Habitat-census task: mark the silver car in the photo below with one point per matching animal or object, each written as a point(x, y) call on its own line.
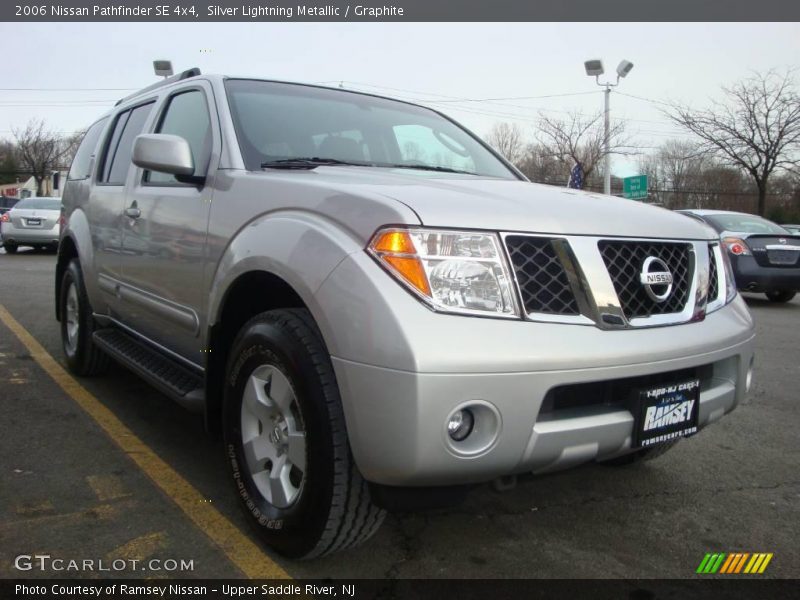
point(375, 309)
point(32, 222)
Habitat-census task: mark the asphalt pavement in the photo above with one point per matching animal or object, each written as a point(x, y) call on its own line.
point(68, 490)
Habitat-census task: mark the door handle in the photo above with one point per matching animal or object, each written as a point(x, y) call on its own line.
point(133, 212)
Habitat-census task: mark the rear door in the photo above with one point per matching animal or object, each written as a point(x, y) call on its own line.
point(164, 234)
point(107, 201)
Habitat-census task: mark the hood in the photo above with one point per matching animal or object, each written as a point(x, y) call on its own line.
point(465, 201)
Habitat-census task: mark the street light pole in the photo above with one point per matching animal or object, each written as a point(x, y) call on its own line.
point(607, 143)
point(594, 68)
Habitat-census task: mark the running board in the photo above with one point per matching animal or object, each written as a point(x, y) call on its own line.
point(170, 377)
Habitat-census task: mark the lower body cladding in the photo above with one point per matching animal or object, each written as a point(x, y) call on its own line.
point(535, 421)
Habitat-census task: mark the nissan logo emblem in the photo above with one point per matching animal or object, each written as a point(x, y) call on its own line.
point(656, 279)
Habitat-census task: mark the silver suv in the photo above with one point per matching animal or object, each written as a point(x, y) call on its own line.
point(377, 310)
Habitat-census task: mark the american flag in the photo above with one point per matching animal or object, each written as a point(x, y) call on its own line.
point(576, 177)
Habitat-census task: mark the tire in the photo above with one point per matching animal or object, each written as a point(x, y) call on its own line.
point(10, 248)
point(647, 454)
point(280, 396)
point(77, 325)
point(780, 295)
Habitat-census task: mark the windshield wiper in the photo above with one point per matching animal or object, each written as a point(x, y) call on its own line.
point(430, 168)
point(306, 163)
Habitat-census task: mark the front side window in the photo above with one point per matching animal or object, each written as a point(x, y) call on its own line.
point(187, 116)
point(117, 160)
point(80, 164)
point(278, 122)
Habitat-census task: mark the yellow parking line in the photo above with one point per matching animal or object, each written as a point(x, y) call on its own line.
point(241, 551)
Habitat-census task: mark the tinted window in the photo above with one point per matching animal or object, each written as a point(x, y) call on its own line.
point(80, 164)
point(277, 121)
point(40, 204)
point(744, 224)
point(186, 116)
point(118, 156)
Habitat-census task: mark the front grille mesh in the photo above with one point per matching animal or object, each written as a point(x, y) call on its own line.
point(542, 278)
point(713, 284)
point(624, 261)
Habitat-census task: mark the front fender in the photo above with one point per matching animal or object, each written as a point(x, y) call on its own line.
point(299, 247)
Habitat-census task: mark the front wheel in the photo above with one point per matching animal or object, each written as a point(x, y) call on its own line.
point(780, 295)
point(286, 440)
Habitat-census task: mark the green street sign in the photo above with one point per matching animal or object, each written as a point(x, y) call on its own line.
point(635, 188)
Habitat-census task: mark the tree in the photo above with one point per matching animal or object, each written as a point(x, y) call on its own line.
point(578, 138)
point(756, 129)
point(539, 165)
point(508, 140)
point(8, 162)
point(41, 151)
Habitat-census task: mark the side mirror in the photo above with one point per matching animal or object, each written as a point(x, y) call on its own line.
point(166, 154)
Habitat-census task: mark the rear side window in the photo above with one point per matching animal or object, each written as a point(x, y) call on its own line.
point(186, 115)
point(117, 160)
point(80, 164)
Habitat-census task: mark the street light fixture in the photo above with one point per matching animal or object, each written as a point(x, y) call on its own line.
point(594, 68)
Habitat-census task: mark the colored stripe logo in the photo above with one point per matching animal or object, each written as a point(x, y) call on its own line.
point(734, 563)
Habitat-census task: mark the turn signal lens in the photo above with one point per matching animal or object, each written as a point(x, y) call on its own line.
point(395, 242)
point(452, 271)
point(4, 218)
point(412, 270)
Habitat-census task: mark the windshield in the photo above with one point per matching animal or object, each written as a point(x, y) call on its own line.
point(280, 121)
point(744, 224)
point(39, 204)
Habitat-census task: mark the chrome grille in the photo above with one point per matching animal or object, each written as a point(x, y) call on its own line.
point(624, 261)
point(542, 278)
point(713, 283)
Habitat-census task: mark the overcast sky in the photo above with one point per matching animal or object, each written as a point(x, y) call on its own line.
point(443, 63)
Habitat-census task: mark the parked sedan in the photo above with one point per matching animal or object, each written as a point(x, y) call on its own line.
point(765, 256)
point(32, 222)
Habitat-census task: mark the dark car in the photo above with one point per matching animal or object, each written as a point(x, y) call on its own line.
point(764, 255)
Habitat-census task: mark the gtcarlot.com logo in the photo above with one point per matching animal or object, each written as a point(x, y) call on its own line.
point(45, 562)
point(734, 563)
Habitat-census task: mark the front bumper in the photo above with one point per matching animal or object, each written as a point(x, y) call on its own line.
point(28, 235)
point(752, 277)
point(403, 369)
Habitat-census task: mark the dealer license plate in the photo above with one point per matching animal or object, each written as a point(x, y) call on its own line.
point(665, 412)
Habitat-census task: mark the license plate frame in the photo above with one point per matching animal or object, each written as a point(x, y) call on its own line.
point(34, 222)
point(665, 412)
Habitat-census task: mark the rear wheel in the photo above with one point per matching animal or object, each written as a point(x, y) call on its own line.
point(780, 295)
point(77, 325)
point(286, 440)
point(10, 248)
point(643, 455)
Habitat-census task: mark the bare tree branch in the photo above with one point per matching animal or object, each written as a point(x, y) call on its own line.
point(756, 128)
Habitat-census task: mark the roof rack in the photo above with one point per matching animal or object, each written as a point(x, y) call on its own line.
point(179, 77)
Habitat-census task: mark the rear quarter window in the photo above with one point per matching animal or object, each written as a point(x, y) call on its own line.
point(83, 157)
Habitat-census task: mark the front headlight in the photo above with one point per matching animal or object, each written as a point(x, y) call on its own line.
point(730, 282)
point(461, 272)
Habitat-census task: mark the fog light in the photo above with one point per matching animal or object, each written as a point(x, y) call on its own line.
point(460, 424)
